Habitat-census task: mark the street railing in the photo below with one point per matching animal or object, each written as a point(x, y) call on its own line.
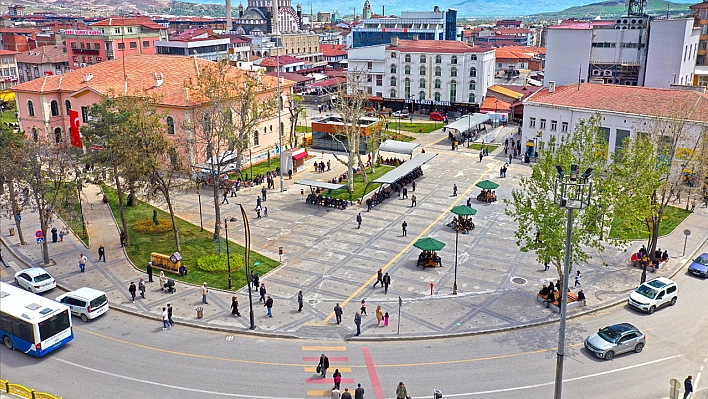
point(24, 392)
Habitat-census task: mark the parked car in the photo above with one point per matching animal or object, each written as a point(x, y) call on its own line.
point(35, 280)
point(401, 114)
point(614, 340)
point(85, 302)
point(436, 116)
point(699, 267)
point(654, 294)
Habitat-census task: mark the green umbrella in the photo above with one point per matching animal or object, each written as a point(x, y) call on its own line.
point(487, 185)
point(429, 244)
point(463, 210)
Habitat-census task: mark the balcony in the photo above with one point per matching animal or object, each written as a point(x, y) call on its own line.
point(85, 51)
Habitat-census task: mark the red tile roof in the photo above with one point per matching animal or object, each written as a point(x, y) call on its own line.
point(19, 30)
point(574, 24)
point(8, 52)
point(333, 50)
point(492, 104)
point(507, 54)
point(44, 55)
point(282, 60)
point(701, 5)
point(138, 20)
point(436, 46)
point(647, 101)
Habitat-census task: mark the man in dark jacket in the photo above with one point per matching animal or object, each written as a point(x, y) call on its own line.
point(269, 306)
point(386, 282)
point(338, 313)
point(262, 292)
point(687, 386)
point(359, 392)
point(323, 365)
point(379, 278)
point(149, 272)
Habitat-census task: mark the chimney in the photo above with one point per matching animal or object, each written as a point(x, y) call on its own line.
point(383, 10)
point(229, 21)
point(87, 77)
point(551, 87)
point(158, 79)
point(394, 41)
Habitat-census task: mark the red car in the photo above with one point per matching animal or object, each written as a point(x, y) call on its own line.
point(436, 116)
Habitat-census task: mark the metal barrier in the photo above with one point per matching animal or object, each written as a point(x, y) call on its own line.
point(24, 392)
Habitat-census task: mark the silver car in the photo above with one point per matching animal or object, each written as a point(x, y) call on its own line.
point(616, 339)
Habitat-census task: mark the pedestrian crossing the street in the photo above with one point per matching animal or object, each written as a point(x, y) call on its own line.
point(335, 362)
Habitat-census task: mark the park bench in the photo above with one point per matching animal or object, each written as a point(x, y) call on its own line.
point(164, 262)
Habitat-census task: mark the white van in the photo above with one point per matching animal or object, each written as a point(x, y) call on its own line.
point(654, 294)
point(86, 303)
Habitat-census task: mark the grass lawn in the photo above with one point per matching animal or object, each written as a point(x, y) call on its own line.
point(359, 184)
point(195, 244)
point(69, 209)
point(390, 134)
point(302, 129)
point(8, 117)
point(414, 127)
point(672, 217)
point(478, 147)
point(261, 167)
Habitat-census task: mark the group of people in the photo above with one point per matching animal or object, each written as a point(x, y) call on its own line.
point(322, 367)
point(429, 257)
point(318, 199)
point(390, 161)
point(641, 259)
point(487, 196)
point(552, 292)
point(320, 166)
point(398, 187)
point(462, 224)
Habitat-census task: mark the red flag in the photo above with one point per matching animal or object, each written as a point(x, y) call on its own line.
point(74, 129)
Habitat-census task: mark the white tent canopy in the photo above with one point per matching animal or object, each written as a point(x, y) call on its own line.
point(468, 122)
point(400, 147)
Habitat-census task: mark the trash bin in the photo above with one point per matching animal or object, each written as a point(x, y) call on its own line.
point(200, 313)
point(12, 231)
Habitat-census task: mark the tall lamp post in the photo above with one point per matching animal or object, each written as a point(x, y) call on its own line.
point(228, 254)
point(457, 236)
point(571, 192)
point(201, 221)
point(247, 261)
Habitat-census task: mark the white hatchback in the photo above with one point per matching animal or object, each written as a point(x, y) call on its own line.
point(35, 280)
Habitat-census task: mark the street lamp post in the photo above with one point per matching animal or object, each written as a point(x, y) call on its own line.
point(570, 192)
point(250, 158)
point(201, 220)
point(457, 236)
point(247, 261)
point(228, 254)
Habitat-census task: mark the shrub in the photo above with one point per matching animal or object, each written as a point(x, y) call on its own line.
point(149, 226)
point(218, 264)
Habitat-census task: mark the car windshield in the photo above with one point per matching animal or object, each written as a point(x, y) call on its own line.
point(608, 334)
point(646, 291)
point(42, 277)
point(98, 301)
point(701, 260)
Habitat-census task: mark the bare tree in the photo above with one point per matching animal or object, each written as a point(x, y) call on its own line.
point(12, 155)
point(295, 108)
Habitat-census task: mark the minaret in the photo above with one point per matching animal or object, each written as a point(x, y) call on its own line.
point(299, 16)
point(366, 14)
point(229, 21)
point(240, 10)
point(276, 19)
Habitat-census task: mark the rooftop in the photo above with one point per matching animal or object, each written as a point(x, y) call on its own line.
point(44, 55)
point(575, 24)
point(436, 46)
point(333, 50)
point(138, 20)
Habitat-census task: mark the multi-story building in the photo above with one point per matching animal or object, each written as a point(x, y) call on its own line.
point(624, 51)
point(8, 66)
point(424, 75)
point(498, 37)
point(700, 14)
point(16, 10)
point(206, 45)
point(111, 38)
point(435, 25)
point(257, 18)
point(303, 45)
point(42, 61)
point(18, 39)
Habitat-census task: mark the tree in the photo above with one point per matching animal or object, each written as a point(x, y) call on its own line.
point(295, 108)
point(12, 157)
point(230, 105)
point(539, 218)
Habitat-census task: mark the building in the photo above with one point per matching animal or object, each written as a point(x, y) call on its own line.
point(424, 75)
point(16, 10)
point(700, 14)
point(111, 38)
point(334, 54)
point(326, 134)
point(8, 65)
point(435, 25)
point(257, 18)
point(625, 110)
point(18, 39)
point(498, 37)
point(286, 63)
point(200, 42)
point(42, 61)
point(303, 45)
point(44, 104)
point(624, 51)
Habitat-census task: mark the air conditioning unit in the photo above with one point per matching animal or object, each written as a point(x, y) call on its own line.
point(596, 72)
point(607, 73)
point(83, 65)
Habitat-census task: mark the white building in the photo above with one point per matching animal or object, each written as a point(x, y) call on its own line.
point(624, 51)
point(425, 75)
point(625, 110)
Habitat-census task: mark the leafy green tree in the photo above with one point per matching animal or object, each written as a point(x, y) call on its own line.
point(296, 109)
point(12, 154)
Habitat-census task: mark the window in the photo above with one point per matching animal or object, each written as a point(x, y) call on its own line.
point(170, 125)
point(421, 95)
point(130, 30)
point(379, 80)
point(407, 88)
point(422, 84)
point(438, 83)
point(437, 96)
point(97, 46)
point(620, 136)
point(554, 125)
point(543, 124)
point(453, 91)
point(35, 136)
point(84, 114)
point(407, 70)
point(438, 71)
point(133, 44)
point(471, 99)
point(30, 108)
point(393, 68)
point(54, 106)
point(564, 127)
point(407, 58)
point(438, 59)
point(423, 59)
point(393, 81)
point(393, 55)
point(532, 122)
point(422, 70)
point(146, 43)
point(368, 65)
point(453, 71)
point(121, 46)
point(67, 105)
point(392, 93)
point(473, 57)
point(453, 60)
point(116, 30)
point(73, 44)
point(256, 138)
point(473, 85)
point(57, 135)
point(473, 72)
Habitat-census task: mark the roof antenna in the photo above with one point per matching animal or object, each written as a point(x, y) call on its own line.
point(580, 73)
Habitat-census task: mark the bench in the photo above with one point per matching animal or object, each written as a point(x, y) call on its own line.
point(555, 306)
point(164, 262)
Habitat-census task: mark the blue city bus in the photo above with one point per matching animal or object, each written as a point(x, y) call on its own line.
point(32, 324)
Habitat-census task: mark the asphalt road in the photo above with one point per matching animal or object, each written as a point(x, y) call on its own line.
point(122, 355)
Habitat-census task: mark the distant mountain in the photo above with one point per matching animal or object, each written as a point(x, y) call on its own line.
point(614, 8)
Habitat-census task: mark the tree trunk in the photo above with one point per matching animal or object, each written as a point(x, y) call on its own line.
point(41, 207)
point(175, 230)
point(121, 209)
point(13, 204)
point(217, 206)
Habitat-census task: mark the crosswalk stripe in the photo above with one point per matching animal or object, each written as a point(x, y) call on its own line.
point(331, 358)
point(319, 380)
point(319, 392)
point(331, 368)
point(325, 348)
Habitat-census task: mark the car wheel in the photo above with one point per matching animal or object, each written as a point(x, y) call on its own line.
point(673, 301)
point(609, 355)
point(8, 343)
point(652, 309)
point(84, 318)
point(638, 348)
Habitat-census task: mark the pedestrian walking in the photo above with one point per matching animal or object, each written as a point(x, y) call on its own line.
point(379, 278)
point(357, 321)
point(122, 239)
point(481, 155)
point(338, 313)
point(132, 289)
point(264, 193)
point(101, 253)
point(577, 278)
point(82, 263)
point(359, 392)
point(54, 234)
point(581, 298)
point(546, 266)
point(258, 212)
point(413, 201)
point(413, 185)
point(61, 235)
point(386, 282)
point(323, 365)
point(328, 166)
point(205, 291)
point(269, 306)
point(454, 190)
point(149, 271)
point(335, 394)
point(386, 319)
point(234, 306)
point(299, 301)
point(262, 291)
point(225, 198)
point(358, 220)
point(363, 307)
point(163, 280)
point(346, 394)
point(405, 193)
point(337, 377)
point(165, 319)
point(258, 202)
point(379, 315)
point(3, 260)
point(141, 287)
point(401, 392)
point(255, 280)
point(265, 211)
point(510, 159)
point(169, 315)
point(404, 226)
point(687, 386)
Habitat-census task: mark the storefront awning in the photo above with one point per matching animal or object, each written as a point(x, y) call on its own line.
point(400, 147)
point(300, 155)
point(320, 184)
point(405, 168)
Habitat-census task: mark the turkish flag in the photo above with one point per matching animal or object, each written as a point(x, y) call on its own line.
point(74, 129)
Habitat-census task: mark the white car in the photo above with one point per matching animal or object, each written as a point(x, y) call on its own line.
point(35, 280)
point(401, 114)
point(85, 302)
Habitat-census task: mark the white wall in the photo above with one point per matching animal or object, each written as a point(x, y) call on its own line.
point(567, 51)
point(671, 59)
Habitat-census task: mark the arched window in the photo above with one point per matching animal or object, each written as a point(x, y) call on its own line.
point(423, 60)
point(453, 91)
point(393, 68)
point(407, 70)
point(30, 108)
point(170, 125)
point(473, 85)
point(422, 70)
point(422, 84)
point(473, 57)
point(471, 97)
point(67, 105)
point(453, 60)
point(393, 80)
point(54, 106)
point(453, 71)
point(393, 55)
point(256, 137)
point(473, 72)
point(392, 93)
point(271, 128)
point(407, 87)
point(438, 71)
point(57, 135)
point(421, 95)
point(35, 136)
point(438, 83)
point(437, 96)
point(438, 59)
point(408, 58)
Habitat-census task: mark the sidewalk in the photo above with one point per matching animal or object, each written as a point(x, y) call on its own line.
point(333, 262)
